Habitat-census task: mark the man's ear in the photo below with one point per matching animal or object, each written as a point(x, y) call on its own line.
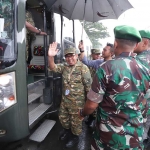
point(115, 44)
point(135, 47)
point(112, 53)
point(145, 42)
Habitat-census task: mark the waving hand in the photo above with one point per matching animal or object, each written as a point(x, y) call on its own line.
point(52, 49)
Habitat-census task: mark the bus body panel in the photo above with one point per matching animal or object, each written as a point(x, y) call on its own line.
point(14, 120)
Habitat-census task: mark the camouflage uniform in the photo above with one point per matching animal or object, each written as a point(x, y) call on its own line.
point(120, 84)
point(76, 80)
point(93, 71)
point(144, 58)
point(6, 12)
point(29, 34)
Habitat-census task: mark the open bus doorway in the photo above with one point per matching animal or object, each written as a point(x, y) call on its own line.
point(36, 92)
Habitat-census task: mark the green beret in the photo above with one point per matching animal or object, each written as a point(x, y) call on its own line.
point(95, 51)
point(70, 51)
point(145, 34)
point(127, 33)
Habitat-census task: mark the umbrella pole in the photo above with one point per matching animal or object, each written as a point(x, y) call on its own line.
point(82, 30)
point(83, 20)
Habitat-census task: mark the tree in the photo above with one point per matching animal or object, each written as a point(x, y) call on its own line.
point(96, 31)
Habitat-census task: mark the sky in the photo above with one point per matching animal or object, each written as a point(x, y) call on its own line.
point(139, 17)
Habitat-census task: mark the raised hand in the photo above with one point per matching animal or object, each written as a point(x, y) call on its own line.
point(81, 46)
point(52, 49)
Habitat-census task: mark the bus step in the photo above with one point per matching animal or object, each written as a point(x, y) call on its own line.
point(32, 97)
point(42, 131)
point(37, 113)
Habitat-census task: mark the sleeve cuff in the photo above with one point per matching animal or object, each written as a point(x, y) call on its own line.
point(54, 69)
point(94, 97)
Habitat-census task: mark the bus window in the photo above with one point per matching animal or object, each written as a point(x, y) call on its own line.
point(58, 58)
point(68, 29)
point(7, 52)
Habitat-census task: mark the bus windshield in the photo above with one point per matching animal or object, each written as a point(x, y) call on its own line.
point(7, 50)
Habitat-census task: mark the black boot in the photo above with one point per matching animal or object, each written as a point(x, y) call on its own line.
point(74, 139)
point(64, 134)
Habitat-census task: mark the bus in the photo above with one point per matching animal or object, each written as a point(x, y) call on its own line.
point(28, 92)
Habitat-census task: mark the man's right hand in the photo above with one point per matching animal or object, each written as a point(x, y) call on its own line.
point(81, 46)
point(52, 49)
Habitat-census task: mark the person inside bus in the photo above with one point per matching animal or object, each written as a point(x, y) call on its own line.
point(118, 91)
point(76, 83)
point(31, 29)
point(107, 53)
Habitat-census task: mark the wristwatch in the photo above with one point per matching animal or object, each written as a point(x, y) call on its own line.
point(81, 113)
point(39, 31)
point(81, 50)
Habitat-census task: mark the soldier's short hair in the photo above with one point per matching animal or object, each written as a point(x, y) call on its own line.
point(126, 42)
point(111, 47)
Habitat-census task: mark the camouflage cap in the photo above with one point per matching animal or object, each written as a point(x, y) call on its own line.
point(70, 51)
point(95, 51)
point(127, 33)
point(77, 51)
point(145, 34)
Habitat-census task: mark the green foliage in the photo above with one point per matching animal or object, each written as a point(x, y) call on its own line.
point(95, 31)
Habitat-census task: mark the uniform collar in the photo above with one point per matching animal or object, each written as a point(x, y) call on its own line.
point(126, 54)
point(145, 51)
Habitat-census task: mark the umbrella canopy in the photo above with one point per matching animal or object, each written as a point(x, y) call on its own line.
point(91, 10)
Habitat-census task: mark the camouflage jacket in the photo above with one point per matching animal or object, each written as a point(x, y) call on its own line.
point(6, 12)
point(119, 87)
point(30, 36)
point(92, 71)
point(144, 58)
point(29, 19)
point(76, 79)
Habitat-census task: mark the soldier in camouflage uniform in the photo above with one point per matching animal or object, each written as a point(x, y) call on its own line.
point(118, 90)
point(107, 53)
point(143, 54)
point(6, 12)
point(29, 35)
point(30, 32)
point(76, 83)
point(95, 55)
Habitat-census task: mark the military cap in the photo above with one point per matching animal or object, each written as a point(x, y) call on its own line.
point(77, 51)
point(145, 34)
point(70, 51)
point(127, 33)
point(95, 51)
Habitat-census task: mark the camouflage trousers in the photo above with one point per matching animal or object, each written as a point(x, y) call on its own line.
point(146, 128)
point(94, 147)
point(68, 116)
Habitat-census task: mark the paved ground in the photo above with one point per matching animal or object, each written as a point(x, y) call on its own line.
point(51, 142)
